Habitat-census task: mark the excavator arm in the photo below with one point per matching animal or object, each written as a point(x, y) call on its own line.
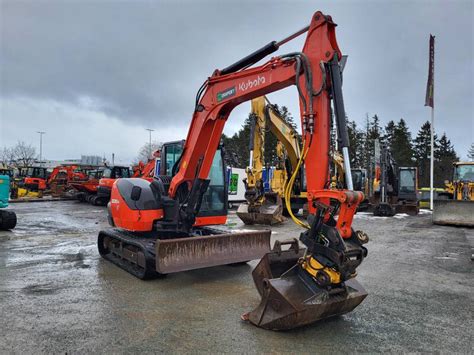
point(308, 70)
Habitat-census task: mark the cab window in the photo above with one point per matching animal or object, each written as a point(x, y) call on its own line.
point(214, 199)
point(464, 172)
point(172, 154)
point(407, 180)
point(122, 173)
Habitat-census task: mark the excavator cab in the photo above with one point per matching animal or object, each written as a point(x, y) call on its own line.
point(214, 201)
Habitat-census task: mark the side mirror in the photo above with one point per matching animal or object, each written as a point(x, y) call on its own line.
point(136, 193)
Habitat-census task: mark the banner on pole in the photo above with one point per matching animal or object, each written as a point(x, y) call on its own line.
point(429, 100)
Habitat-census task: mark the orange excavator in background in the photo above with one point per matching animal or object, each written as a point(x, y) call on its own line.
point(62, 175)
point(156, 229)
point(109, 176)
point(86, 190)
point(146, 171)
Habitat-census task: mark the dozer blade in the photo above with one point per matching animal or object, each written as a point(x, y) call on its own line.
point(269, 213)
point(453, 212)
point(291, 299)
point(197, 252)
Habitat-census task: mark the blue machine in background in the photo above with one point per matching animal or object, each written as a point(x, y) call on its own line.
point(7, 217)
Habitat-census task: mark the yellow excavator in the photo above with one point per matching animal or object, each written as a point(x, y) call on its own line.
point(455, 206)
point(266, 207)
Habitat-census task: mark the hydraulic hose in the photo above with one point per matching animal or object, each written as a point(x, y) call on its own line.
point(289, 188)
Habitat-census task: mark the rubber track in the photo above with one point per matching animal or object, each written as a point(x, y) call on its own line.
point(146, 245)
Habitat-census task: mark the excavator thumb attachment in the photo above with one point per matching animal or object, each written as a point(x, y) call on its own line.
point(180, 254)
point(269, 213)
point(291, 298)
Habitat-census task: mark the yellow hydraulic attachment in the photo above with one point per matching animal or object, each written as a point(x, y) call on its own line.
point(267, 207)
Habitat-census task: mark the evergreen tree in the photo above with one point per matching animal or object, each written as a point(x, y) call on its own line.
point(470, 153)
point(237, 146)
point(373, 132)
point(445, 156)
point(400, 144)
point(389, 133)
point(421, 147)
point(356, 141)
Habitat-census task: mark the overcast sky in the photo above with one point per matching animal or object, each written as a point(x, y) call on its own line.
point(95, 74)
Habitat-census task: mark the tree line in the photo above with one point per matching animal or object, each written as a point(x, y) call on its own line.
point(237, 147)
point(406, 149)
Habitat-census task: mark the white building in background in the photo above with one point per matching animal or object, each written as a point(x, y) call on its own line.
point(94, 160)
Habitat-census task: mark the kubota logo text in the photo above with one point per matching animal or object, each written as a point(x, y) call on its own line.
point(249, 84)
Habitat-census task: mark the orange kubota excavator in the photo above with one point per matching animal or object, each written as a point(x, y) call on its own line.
point(155, 223)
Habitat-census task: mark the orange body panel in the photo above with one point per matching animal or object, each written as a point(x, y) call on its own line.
point(85, 186)
point(210, 220)
point(132, 220)
point(36, 181)
point(107, 182)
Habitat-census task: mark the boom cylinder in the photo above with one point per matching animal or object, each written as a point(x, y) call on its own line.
point(251, 58)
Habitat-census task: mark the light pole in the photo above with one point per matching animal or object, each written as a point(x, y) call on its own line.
point(149, 130)
point(41, 146)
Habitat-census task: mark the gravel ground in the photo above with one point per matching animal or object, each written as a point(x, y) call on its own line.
point(57, 295)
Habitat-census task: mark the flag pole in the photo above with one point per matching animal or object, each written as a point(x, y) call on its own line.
point(429, 101)
point(432, 159)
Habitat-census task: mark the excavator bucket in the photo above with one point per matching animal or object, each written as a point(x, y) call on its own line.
point(453, 212)
point(180, 254)
point(290, 298)
point(269, 213)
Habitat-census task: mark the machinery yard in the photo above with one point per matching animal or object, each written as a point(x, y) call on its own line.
point(57, 295)
point(331, 216)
